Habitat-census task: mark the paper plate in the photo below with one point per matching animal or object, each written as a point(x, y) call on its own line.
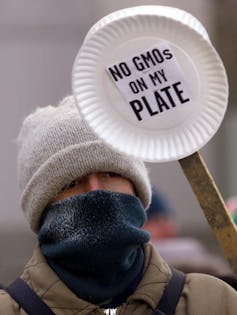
point(166, 11)
point(151, 86)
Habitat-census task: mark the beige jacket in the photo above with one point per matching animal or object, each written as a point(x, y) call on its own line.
point(202, 294)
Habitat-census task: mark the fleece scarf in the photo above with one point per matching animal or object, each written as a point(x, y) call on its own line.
point(93, 241)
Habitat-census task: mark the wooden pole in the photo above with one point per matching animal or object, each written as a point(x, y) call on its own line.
point(213, 205)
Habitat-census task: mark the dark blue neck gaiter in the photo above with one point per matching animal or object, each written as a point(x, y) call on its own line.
point(94, 243)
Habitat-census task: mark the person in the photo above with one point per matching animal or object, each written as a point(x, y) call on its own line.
point(161, 222)
point(86, 202)
point(187, 254)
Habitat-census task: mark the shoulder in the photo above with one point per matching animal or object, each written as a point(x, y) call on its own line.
point(207, 293)
point(7, 304)
point(196, 281)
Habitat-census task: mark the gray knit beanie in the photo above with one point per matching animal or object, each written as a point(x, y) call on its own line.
point(57, 146)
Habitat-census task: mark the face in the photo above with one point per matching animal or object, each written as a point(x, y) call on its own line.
point(96, 181)
point(161, 227)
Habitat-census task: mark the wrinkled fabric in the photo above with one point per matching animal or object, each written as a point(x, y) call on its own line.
point(202, 294)
point(93, 241)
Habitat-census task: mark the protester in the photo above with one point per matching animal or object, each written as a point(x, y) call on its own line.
point(184, 253)
point(161, 221)
point(86, 202)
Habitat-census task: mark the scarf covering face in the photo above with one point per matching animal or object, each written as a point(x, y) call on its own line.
point(93, 241)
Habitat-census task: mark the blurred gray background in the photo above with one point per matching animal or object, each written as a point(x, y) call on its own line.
point(39, 41)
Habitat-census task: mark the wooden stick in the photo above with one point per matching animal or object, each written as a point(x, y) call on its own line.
point(213, 205)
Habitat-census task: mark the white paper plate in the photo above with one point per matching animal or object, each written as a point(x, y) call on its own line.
point(165, 11)
point(167, 118)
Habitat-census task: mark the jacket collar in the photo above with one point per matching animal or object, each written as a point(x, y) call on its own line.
point(156, 275)
point(47, 284)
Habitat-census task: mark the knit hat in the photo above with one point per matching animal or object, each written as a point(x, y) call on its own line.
point(57, 146)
